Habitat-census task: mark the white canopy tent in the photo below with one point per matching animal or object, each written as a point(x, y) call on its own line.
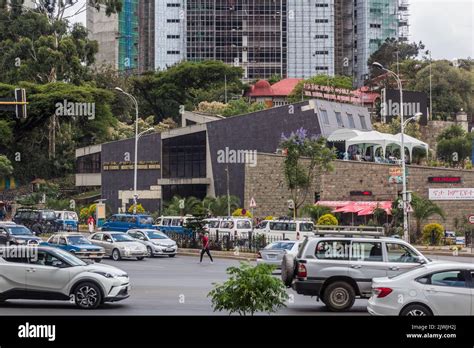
point(376, 139)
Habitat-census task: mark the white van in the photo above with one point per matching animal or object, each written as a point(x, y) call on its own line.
point(231, 226)
point(211, 225)
point(285, 229)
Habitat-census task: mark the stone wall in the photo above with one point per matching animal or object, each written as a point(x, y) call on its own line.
point(266, 183)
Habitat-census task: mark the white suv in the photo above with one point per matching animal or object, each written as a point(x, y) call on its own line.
point(45, 273)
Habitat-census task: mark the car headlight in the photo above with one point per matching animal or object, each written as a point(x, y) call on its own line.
point(107, 275)
point(19, 241)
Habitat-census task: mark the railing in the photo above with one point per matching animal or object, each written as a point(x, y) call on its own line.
point(347, 231)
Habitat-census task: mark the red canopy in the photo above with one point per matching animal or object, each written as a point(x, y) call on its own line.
point(359, 207)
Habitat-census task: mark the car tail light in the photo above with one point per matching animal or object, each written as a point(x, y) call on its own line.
point(381, 292)
point(302, 274)
point(259, 256)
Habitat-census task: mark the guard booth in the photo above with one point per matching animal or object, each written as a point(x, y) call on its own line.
point(100, 215)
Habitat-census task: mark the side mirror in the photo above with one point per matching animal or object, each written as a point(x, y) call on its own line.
point(420, 260)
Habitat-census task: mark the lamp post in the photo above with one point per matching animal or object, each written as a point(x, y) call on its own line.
point(135, 167)
point(228, 190)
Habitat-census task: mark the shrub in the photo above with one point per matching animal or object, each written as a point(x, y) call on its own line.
point(140, 209)
point(433, 233)
point(249, 289)
point(328, 219)
point(269, 217)
point(242, 212)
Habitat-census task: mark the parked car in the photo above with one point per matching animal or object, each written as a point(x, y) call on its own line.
point(437, 288)
point(47, 273)
point(13, 234)
point(286, 229)
point(339, 269)
point(125, 222)
point(76, 244)
point(235, 227)
point(176, 224)
point(211, 225)
point(273, 253)
point(67, 221)
point(119, 245)
point(37, 220)
point(157, 243)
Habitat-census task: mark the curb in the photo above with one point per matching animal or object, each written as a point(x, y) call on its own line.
point(217, 254)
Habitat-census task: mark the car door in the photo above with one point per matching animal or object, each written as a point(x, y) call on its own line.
point(400, 258)
point(448, 292)
point(13, 272)
point(107, 243)
point(96, 239)
point(366, 263)
point(331, 257)
point(47, 273)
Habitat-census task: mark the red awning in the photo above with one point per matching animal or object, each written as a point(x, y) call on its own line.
point(359, 207)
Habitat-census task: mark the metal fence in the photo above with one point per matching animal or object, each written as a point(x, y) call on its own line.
point(225, 241)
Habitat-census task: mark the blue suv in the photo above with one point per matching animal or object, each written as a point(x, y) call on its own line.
point(125, 222)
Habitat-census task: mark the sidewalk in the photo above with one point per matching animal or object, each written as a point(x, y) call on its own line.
point(444, 250)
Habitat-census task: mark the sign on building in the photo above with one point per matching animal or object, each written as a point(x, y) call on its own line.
point(451, 194)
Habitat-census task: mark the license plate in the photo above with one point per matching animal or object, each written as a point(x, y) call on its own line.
point(93, 255)
point(169, 249)
point(271, 256)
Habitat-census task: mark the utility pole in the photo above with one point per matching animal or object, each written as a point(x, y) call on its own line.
point(431, 99)
point(228, 190)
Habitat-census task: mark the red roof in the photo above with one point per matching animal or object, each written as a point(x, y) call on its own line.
point(282, 88)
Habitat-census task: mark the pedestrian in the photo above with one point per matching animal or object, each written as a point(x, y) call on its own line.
point(3, 213)
point(90, 223)
point(205, 246)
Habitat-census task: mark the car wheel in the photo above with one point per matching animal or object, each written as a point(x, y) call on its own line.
point(116, 255)
point(150, 251)
point(140, 258)
point(339, 296)
point(172, 255)
point(87, 296)
point(288, 266)
point(416, 311)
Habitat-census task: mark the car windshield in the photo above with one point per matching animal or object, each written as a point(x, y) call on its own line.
point(69, 258)
point(19, 230)
point(122, 237)
point(155, 235)
point(48, 215)
point(280, 246)
point(244, 224)
point(146, 220)
point(78, 240)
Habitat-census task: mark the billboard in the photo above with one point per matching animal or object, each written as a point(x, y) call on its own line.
point(413, 102)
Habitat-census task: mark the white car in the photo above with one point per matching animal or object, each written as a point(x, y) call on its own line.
point(273, 253)
point(46, 273)
point(157, 243)
point(435, 288)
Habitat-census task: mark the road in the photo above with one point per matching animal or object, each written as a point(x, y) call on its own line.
point(174, 286)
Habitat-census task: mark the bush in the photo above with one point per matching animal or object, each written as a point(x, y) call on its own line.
point(249, 289)
point(433, 233)
point(240, 213)
point(140, 209)
point(269, 217)
point(328, 220)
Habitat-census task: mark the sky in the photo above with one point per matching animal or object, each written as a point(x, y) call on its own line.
point(444, 26)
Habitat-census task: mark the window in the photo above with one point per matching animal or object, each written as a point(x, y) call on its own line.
point(44, 258)
point(172, 52)
point(227, 224)
point(333, 250)
point(339, 120)
point(173, 5)
point(321, 20)
point(321, 68)
point(449, 278)
point(62, 241)
point(400, 253)
point(324, 115)
point(321, 52)
point(172, 20)
point(351, 120)
point(362, 122)
point(97, 236)
point(366, 251)
point(244, 224)
point(213, 224)
point(306, 227)
point(375, 26)
point(172, 36)
point(322, 5)
point(321, 36)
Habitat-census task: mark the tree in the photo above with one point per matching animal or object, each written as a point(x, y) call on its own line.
point(315, 211)
point(192, 206)
point(423, 209)
point(6, 168)
point(322, 80)
point(328, 220)
point(305, 156)
point(240, 107)
point(217, 206)
point(249, 289)
point(454, 145)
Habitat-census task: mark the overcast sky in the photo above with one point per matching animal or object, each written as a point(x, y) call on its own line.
point(444, 26)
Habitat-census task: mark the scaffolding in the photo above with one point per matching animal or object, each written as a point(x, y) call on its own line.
point(128, 36)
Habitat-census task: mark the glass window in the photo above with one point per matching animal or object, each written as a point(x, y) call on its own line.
point(366, 251)
point(243, 224)
point(449, 278)
point(62, 241)
point(324, 115)
point(262, 224)
point(76, 240)
point(400, 253)
point(166, 222)
point(333, 250)
point(121, 237)
point(280, 246)
point(362, 122)
point(214, 224)
point(351, 121)
point(146, 220)
point(97, 236)
point(227, 224)
point(19, 230)
point(339, 120)
point(44, 258)
point(306, 227)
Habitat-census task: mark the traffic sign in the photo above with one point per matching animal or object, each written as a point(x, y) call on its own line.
point(409, 208)
point(471, 219)
point(253, 204)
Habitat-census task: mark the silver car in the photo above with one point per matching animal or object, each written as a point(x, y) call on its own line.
point(273, 253)
point(119, 245)
point(156, 242)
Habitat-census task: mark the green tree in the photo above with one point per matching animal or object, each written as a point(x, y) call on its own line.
point(249, 289)
point(315, 211)
point(217, 206)
point(6, 168)
point(305, 156)
point(240, 107)
point(423, 209)
point(454, 145)
point(192, 206)
point(322, 80)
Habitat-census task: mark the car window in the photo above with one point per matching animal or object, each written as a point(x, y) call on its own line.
point(227, 224)
point(44, 258)
point(366, 251)
point(15, 258)
point(48, 215)
point(306, 227)
point(332, 250)
point(397, 252)
point(97, 236)
point(262, 224)
point(166, 222)
point(213, 224)
point(53, 240)
point(449, 278)
point(62, 241)
point(280, 246)
point(146, 220)
point(75, 240)
point(244, 224)
point(19, 230)
point(131, 219)
point(107, 238)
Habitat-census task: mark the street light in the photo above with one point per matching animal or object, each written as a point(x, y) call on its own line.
point(136, 148)
point(406, 236)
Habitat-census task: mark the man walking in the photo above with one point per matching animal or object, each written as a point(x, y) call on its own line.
point(205, 246)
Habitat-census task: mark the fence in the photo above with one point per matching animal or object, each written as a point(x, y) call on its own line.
point(224, 241)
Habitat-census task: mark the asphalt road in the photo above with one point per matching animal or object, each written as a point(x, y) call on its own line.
point(174, 286)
